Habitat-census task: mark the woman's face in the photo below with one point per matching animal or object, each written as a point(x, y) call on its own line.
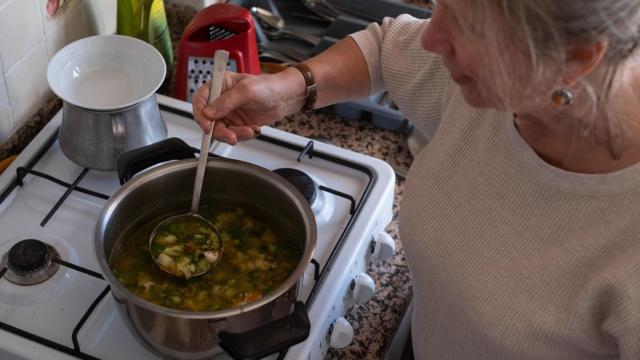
point(462, 54)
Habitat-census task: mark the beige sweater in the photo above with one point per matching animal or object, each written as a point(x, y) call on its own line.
point(511, 258)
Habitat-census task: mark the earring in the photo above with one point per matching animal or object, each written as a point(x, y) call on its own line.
point(562, 97)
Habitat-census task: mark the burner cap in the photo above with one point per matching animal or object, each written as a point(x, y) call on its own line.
point(30, 262)
point(28, 256)
point(303, 182)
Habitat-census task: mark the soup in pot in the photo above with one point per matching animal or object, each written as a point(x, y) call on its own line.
point(255, 261)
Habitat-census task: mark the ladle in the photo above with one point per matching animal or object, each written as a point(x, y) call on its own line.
point(274, 27)
point(199, 248)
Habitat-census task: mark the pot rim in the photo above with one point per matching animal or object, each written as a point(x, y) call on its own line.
point(148, 175)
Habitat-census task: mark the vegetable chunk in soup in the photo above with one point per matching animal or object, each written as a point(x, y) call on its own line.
point(255, 261)
point(186, 246)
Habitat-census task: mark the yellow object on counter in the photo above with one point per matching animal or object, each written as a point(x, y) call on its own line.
point(147, 20)
point(4, 164)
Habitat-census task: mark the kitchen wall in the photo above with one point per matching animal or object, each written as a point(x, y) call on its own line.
point(29, 37)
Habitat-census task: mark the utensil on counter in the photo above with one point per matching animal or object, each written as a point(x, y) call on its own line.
point(107, 84)
point(313, 17)
point(368, 10)
point(244, 331)
point(329, 11)
point(217, 27)
point(274, 57)
point(274, 26)
point(317, 8)
point(284, 51)
point(211, 239)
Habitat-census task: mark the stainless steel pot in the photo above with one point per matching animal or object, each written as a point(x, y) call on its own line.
point(95, 139)
point(265, 326)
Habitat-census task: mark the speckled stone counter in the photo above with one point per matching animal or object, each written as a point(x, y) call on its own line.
point(374, 322)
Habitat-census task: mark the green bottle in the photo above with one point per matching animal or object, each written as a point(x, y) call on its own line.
point(147, 20)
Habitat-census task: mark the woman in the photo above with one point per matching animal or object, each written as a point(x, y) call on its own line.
point(521, 217)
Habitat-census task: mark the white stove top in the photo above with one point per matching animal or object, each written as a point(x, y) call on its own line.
point(38, 321)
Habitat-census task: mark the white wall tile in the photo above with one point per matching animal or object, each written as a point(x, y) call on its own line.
point(27, 84)
point(6, 118)
point(68, 7)
point(6, 121)
point(21, 29)
point(103, 14)
point(75, 25)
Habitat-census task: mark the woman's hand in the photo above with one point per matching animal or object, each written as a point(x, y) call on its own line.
point(248, 102)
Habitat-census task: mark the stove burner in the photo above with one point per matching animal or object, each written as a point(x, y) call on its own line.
point(303, 182)
point(30, 262)
point(28, 256)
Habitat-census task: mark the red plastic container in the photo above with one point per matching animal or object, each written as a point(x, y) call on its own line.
point(220, 26)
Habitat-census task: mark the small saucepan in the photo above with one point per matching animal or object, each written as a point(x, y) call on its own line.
point(255, 329)
point(107, 84)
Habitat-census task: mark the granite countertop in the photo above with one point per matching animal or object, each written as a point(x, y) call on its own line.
point(374, 322)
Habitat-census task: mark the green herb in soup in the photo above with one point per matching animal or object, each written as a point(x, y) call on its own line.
point(186, 246)
point(255, 261)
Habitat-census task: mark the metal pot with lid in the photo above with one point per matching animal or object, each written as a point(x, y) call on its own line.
point(272, 323)
point(107, 84)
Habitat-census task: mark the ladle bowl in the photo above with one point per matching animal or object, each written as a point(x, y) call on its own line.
point(189, 255)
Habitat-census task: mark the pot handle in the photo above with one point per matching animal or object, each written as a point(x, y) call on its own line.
point(269, 338)
point(134, 161)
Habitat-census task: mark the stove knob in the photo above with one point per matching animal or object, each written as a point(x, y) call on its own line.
point(363, 288)
point(341, 333)
point(384, 247)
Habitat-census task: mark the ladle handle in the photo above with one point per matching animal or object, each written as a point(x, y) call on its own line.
point(220, 59)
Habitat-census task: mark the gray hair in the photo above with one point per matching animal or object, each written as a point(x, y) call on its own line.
point(548, 28)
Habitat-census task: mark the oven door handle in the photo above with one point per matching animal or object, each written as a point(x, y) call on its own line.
point(269, 338)
point(134, 161)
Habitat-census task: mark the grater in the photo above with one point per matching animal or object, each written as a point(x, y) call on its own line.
point(199, 67)
point(217, 27)
point(199, 70)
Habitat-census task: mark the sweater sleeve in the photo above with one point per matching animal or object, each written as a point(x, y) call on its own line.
point(615, 301)
point(416, 79)
point(623, 321)
point(629, 344)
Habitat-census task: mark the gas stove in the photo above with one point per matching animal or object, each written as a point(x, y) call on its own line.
point(54, 302)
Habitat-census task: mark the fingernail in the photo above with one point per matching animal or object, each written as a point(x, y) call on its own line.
point(209, 112)
point(229, 140)
point(257, 130)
